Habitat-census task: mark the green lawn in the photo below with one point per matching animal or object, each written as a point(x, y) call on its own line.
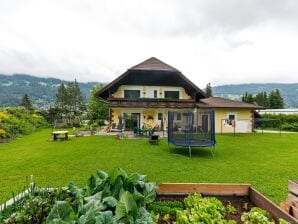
point(266, 161)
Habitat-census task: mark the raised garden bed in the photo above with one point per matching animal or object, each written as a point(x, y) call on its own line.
point(242, 196)
point(123, 198)
point(290, 205)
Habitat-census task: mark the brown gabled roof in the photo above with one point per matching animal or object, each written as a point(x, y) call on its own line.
point(154, 64)
point(152, 72)
point(217, 102)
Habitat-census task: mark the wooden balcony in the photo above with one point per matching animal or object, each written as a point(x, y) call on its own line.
point(150, 103)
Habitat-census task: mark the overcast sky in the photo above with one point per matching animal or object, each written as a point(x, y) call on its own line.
point(222, 42)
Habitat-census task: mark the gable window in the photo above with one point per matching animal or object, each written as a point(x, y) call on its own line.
point(172, 95)
point(155, 93)
point(132, 94)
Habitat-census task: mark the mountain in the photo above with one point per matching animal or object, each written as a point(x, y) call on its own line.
point(42, 91)
point(235, 92)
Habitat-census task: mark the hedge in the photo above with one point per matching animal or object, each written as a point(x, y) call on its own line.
point(288, 121)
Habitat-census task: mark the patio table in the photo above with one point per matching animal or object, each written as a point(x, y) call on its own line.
point(60, 134)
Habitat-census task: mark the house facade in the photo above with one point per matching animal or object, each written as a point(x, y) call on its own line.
point(145, 93)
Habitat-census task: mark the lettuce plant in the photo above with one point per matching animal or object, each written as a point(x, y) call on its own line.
point(202, 210)
point(258, 216)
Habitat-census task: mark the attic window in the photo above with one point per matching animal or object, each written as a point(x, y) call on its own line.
point(172, 95)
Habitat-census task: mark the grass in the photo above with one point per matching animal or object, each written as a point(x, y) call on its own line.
point(266, 161)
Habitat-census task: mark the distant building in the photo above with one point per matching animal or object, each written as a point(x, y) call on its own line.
point(279, 111)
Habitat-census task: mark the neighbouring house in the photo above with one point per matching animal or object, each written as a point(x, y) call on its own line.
point(145, 93)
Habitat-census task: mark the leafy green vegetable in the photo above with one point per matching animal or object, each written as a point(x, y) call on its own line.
point(258, 216)
point(230, 209)
point(126, 209)
point(61, 212)
point(165, 207)
point(106, 199)
point(202, 210)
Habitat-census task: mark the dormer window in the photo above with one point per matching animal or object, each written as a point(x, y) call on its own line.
point(132, 94)
point(172, 95)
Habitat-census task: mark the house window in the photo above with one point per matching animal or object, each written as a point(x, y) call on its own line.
point(172, 95)
point(132, 94)
point(231, 117)
point(159, 117)
point(178, 117)
point(155, 93)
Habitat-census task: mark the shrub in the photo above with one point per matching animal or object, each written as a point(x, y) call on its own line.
point(290, 127)
point(2, 133)
point(3, 116)
point(17, 121)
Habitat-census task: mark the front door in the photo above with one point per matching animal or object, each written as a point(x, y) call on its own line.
point(205, 119)
point(131, 120)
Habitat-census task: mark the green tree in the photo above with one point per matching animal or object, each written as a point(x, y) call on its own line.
point(261, 99)
point(51, 115)
point(26, 102)
point(70, 103)
point(98, 110)
point(62, 98)
point(248, 98)
point(275, 100)
point(209, 90)
point(75, 98)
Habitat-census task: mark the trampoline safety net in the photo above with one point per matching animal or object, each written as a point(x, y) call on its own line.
point(192, 128)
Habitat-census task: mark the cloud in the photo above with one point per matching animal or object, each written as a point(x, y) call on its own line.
point(227, 41)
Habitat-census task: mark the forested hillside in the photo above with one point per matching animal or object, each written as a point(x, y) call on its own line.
point(41, 91)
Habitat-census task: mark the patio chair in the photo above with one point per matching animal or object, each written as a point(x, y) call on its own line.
point(154, 139)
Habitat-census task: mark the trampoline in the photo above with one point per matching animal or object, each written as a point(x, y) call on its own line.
point(192, 129)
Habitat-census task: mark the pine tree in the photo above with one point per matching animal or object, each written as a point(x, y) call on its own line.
point(276, 100)
point(70, 102)
point(26, 102)
point(209, 90)
point(75, 97)
point(244, 97)
point(62, 98)
point(261, 99)
point(248, 98)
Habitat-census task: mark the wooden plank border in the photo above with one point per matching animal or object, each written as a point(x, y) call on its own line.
point(275, 211)
point(204, 188)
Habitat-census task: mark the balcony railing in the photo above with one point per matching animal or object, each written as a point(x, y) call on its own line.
point(151, 103)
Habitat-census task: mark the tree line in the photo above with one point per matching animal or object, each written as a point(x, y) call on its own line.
point(70, 107)
point(272, 101)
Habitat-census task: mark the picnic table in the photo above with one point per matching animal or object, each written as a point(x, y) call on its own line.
point(60, 135)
